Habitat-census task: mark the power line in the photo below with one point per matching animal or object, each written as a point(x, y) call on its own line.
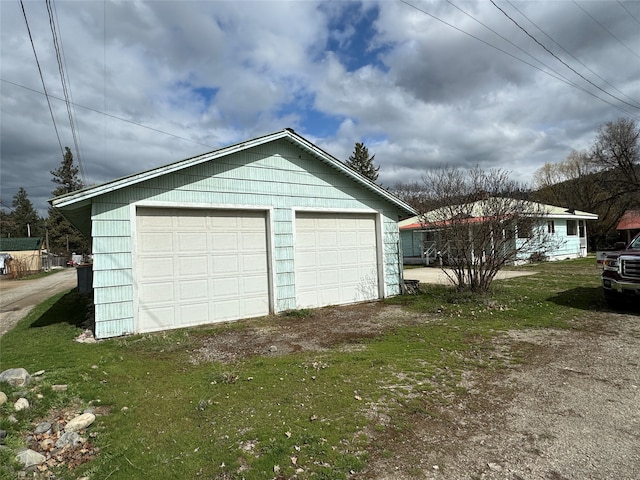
point(110, 115)
point(569, 53)
point(607, 30)
point(44, 87)
point(557, 77)
point(66, 87)
point(559, 59)
point(566, 80)
point(630, 14)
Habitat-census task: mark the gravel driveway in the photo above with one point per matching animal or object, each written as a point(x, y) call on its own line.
point(18, 297)
point(569, 409)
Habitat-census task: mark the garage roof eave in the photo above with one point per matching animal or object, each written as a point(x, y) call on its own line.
point(84, 196)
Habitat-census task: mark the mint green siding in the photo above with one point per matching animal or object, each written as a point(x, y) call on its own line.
point(278, 176)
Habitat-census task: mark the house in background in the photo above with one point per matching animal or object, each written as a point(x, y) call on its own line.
point(264, 226)
point(629, 225)
point(566, 229)
point(25, 254)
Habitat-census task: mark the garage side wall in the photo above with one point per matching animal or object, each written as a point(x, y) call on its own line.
point(278, 175)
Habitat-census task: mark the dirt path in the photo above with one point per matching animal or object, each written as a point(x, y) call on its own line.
point(18, 297)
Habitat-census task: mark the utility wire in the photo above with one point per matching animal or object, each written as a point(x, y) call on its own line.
point(514, 45)
point(557, 77)
point(112, 116)
point(79, 150)
point(569, 53)
point(630, 14)
point(44, 87)
point(559, 59)
point(607, 30)
point(65, 85)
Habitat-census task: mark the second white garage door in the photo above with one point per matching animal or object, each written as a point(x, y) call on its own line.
point(200, 266)
point(335, 259)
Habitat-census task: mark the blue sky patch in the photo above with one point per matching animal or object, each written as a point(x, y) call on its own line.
point(351, 36)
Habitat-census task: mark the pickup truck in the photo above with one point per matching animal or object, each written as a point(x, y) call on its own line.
point(621, 272)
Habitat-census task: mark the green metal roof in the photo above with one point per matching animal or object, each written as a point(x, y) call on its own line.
point(17, 244)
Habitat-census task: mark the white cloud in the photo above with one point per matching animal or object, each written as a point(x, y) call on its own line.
point(417, 91)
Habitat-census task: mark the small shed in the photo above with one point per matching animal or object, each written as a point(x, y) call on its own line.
point(25, 254)
point(264, 226)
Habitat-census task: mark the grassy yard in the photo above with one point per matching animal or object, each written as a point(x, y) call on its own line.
point(303, 414)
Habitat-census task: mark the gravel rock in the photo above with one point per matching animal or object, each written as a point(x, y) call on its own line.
point(17, 377)
point(69, 439)
point(3, 398)
point(80, 422)
point(29, 458)
point(21, 404)
point(43, 427)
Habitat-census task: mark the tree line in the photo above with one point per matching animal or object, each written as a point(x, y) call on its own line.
point(23, 220)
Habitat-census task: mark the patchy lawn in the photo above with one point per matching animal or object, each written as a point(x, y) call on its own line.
point(407, 388)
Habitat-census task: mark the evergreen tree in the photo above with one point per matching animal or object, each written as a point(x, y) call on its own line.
point(26, 221)
point(360, 161)
point(7, 224)
point(64, 238)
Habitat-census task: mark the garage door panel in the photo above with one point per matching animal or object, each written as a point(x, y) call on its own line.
point(224, 264)
point(156, 292)
point(335, 254)
point(194, 314)
point(253, 285)
point(147, 267)
point(226, 287)
point(227, 310)
point(251, 241)
point(200, 266)
point(251, 263)
point(192, 265)
point(193, 290)
point(192, 242)
point(328, 258)
point(190, 221)
point(155, 319)
point(220, 241)
point(156, 242)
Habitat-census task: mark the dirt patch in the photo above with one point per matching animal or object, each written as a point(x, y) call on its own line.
point(318, 330)
point(551, 404)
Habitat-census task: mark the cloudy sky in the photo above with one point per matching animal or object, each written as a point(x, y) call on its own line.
point(421, 83)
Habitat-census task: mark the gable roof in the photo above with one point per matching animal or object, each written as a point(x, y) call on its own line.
point(76, 206)
point(20, 244)
point(550, 212)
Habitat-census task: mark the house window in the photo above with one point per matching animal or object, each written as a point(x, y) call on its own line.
point(572, 227)
point(524, 230)
point(551, 227)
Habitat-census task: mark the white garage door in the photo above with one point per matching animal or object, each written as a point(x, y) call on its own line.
point(335, 259)
point(200, 266)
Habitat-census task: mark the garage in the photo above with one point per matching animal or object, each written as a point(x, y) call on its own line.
point(261, 227)
point(198, 266)
point(336, 258)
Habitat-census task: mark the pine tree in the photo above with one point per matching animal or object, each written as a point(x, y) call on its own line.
point(360, 161)
point(64, 238)
point(26, 220)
